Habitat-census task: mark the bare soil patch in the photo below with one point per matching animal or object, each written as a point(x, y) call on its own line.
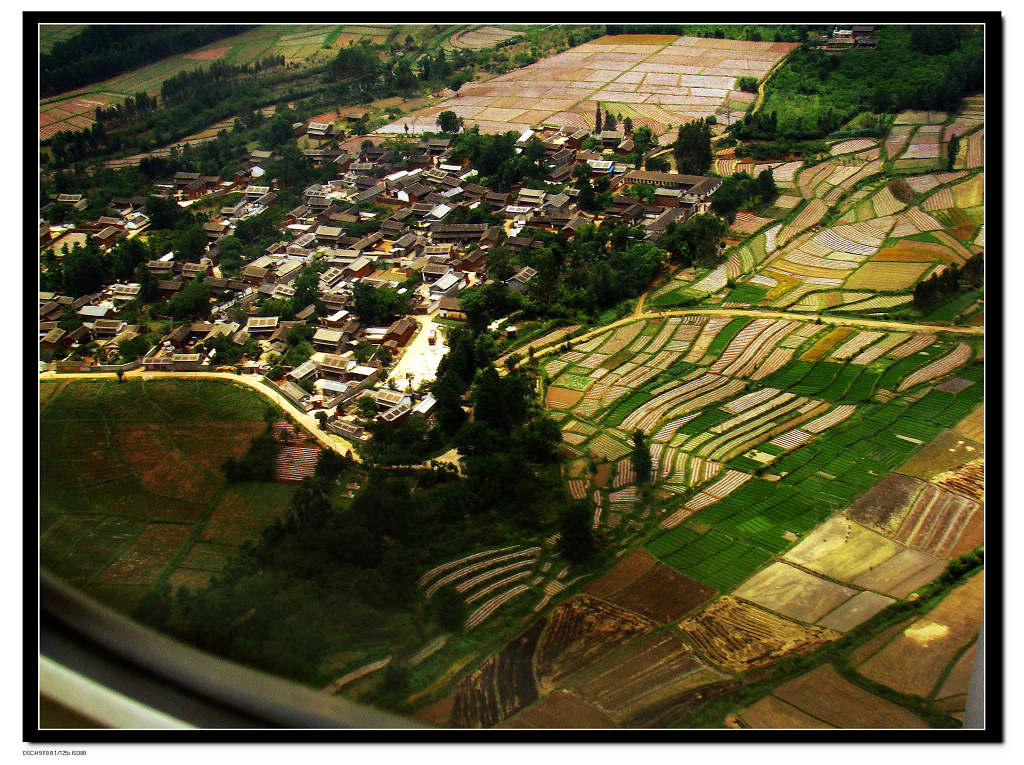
point(945, 452)
point(841, 549)
point(915, 659)
point(883, 506)
point(563, 398)
point(622, 573)
point(663, 594)
point(856, 610)
point(794, 593)
point(771, 712)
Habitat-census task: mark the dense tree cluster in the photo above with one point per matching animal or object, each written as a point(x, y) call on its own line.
point(741, 190)
point(692, 147)
point(918, 67)
point(955, 280)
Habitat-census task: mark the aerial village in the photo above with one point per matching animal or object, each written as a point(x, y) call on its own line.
point(414, 248)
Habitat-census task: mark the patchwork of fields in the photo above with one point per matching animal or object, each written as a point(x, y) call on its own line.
point(657, 80)
point(844, 236)
point(131, 488)
point(765, 538)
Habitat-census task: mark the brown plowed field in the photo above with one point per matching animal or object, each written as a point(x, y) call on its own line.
point(501, 686)
point(663, 595)
point(622, 573)
point(560, 709)
point(648, 672)
point(580, 632)
point(883, 506)
point(936, 521)
point(739, 636)
point(771, 712)
point(794, 593)
point(868, 649)
point(915, 659)
point(824, 694)
point(959, 676)
point(674, 711)
point(563, 398)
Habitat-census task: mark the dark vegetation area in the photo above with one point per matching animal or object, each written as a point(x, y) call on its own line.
point(954, 281)
point(815, 93)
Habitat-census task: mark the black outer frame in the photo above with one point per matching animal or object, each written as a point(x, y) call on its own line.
point(993, 732)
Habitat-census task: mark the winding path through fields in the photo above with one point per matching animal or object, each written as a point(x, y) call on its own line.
point(310, 423)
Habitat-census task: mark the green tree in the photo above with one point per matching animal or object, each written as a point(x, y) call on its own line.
point(692, 148)
point(577, 542)
point(747, 84)
point(598, 122)
point(449, 122)
point(641, 458)
point(449, 608)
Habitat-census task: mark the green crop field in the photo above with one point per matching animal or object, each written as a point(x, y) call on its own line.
point(132, 493)
point(770, 494)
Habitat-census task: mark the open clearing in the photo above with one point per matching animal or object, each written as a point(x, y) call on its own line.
point(131, 486)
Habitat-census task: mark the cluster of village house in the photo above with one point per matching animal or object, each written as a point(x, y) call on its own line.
point(416, 237)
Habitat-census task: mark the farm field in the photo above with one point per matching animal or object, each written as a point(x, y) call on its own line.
point(132, 493)
point(847, 238)
point(657, 80)
point(825, 696)
point(298, 43)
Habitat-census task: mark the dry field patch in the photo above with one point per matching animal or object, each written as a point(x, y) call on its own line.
point(771, 712)
point(856, 610)
point(841, 549)
point(560, 709)
point(794, 593)
point(738, 636)
point(824, 694)
point(915, 659)
point(875, 275)
point(902, 573)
